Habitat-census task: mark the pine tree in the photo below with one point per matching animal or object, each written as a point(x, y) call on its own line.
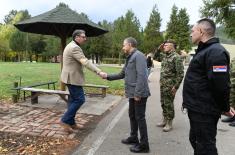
point(178, 28)
point(223, 12)
point(172, 25)
point(128, 26)
point(152, 36)
point(132, 26)
point(183, 40)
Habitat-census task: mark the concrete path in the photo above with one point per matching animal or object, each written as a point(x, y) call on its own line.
point(105, 139)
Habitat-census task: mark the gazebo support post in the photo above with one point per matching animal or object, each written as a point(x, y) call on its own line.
point(63, 44)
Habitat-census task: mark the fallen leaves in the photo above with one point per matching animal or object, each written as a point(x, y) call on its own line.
point(11, 143)
point(3, 150)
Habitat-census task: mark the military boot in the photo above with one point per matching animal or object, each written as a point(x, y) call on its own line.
point(162, 124)
point(168, 126)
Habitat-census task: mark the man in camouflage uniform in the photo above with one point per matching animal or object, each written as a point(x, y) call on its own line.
point(231, 120)
point(172, 73)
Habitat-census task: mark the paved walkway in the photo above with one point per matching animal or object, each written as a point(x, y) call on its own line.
point(106, 138)
point(43, 119)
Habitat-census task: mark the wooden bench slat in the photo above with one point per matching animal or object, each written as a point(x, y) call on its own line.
point(36, 85)
point(18, 89)
point(35, 92)
point(48, 91)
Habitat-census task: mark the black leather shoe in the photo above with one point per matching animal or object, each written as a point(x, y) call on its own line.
point(139, 148)
point(232, 124)
point(228, 119)
point(130, 140)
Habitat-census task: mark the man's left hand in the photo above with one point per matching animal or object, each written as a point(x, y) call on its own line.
point(173, 90)
point(230, 113)
point(137, 98)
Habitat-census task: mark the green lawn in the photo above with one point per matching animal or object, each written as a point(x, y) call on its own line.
point(230, 49)
point(32, 73)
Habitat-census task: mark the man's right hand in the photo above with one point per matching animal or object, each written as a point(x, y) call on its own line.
point(230, 113)
point(160, 47)
point(103, 75)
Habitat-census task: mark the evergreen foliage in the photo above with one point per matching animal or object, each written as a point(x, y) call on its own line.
point(183, 31)
point(152, 35)
point(14, 43)
point(178, 28)
point(172, 25)
point(223, 12)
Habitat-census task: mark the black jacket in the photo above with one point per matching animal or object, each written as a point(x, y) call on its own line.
point(149, 62)
point(207, 83)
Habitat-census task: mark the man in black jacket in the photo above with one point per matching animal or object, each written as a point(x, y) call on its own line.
point(206, 88)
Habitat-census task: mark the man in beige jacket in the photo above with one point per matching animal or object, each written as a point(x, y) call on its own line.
point(72, 75)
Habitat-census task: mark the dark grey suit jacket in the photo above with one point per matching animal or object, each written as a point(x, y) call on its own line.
point(135, 75)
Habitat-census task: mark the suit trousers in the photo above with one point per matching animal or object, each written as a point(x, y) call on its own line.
point(76, 100)
point(137, 119)
point(202, 135)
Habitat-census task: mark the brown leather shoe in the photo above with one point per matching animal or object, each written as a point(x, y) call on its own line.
point(67, 128)
point(77, 127)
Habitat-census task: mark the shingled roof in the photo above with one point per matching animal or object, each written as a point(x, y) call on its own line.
point(60, 21)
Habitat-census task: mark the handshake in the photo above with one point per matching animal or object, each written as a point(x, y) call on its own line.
point(103, 75)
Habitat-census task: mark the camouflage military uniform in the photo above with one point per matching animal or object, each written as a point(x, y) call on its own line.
point(172, 73)
point(232, 78)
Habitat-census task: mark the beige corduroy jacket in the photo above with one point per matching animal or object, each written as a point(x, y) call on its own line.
point(74, 61)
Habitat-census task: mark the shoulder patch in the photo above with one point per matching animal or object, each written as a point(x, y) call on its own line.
point(219, 68)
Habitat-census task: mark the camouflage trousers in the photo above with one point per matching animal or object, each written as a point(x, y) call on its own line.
point(232, 96)
point(167, 103)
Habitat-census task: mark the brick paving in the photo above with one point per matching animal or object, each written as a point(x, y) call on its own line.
point(36, 121)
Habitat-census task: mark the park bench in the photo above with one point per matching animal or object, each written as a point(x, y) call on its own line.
point(18, 89)
point(103, 89)
point(35, 92)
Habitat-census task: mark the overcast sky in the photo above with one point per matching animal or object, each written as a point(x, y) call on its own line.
point(98, 10)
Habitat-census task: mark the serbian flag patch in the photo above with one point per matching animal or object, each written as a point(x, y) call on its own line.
point(219, 68)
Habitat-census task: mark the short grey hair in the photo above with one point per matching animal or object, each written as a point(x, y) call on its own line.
point(208, 26)
point(77, 33)
point(131, 41)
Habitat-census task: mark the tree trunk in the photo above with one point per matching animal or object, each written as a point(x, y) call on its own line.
point(5, 57)
point(97, 58)
point(30, 57)
point(119, 59)
point(56, 60)
point(36, 57)
point(92, 58)
point(101, 57)
point(18, 57)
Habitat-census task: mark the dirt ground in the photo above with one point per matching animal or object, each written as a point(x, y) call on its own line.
point(15, 144)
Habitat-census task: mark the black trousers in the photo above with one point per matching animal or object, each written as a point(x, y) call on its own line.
point(137, 119)
point(202, 135)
